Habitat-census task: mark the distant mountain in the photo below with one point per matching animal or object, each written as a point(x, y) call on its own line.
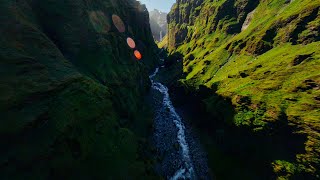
point(158, 23)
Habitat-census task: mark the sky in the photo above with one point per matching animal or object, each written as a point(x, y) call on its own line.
point(162, 5)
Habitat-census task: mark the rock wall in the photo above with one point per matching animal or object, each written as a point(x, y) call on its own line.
point(260, 61)
point(158, 23)
point(72, 91)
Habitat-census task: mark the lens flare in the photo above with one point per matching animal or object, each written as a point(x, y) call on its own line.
point(131, 43)
point(118, 23)
point(99, 21)
point(137, 54)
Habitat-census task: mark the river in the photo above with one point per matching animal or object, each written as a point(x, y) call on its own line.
point(180, 154)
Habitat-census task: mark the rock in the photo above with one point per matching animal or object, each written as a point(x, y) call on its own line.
point(307, 84)
point(67, 78)
point(176, 146)
point(268, 51)
point(158, 22)
point(300, 58)
point(243, 74)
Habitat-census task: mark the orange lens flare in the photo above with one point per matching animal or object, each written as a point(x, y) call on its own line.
point(131, 43)
point(137, 54)
point(118, 23)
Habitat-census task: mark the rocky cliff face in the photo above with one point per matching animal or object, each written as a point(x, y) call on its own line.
point(71, 89)
point(158, 23)
point(260, 63)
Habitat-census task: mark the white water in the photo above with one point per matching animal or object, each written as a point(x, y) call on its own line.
point(187, 170)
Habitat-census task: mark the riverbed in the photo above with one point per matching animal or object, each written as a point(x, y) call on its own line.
point(180, 155)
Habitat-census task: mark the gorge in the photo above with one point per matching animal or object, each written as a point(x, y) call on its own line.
point(231, 92)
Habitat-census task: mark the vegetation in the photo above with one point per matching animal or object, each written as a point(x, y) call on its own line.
point(72, 92)
point(163, 43)
point(264, 58)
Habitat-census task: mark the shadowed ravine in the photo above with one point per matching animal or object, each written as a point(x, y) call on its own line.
point(180, 156)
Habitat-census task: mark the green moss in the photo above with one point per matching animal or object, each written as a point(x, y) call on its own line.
point(163, 43)
point(71, 91)
point(273, 63)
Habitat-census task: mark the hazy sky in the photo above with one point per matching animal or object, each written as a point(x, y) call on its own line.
point(162, 5)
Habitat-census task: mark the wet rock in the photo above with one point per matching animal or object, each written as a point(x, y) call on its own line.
point(167, 142)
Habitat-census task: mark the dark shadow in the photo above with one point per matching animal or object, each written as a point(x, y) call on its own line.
point(171, 67)
point(229, 11)
point(301, 26)
point(239, 148)
point(173, 59)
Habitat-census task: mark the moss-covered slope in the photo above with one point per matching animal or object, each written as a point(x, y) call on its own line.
point(71, 90)
point(264, 58)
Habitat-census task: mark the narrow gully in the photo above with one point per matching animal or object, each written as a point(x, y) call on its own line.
point(172, 139)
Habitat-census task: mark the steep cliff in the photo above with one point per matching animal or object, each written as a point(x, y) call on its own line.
point(72, 91)
point(158, 23)
point(258, 64)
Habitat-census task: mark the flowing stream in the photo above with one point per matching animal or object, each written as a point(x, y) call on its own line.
point(172, 139)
